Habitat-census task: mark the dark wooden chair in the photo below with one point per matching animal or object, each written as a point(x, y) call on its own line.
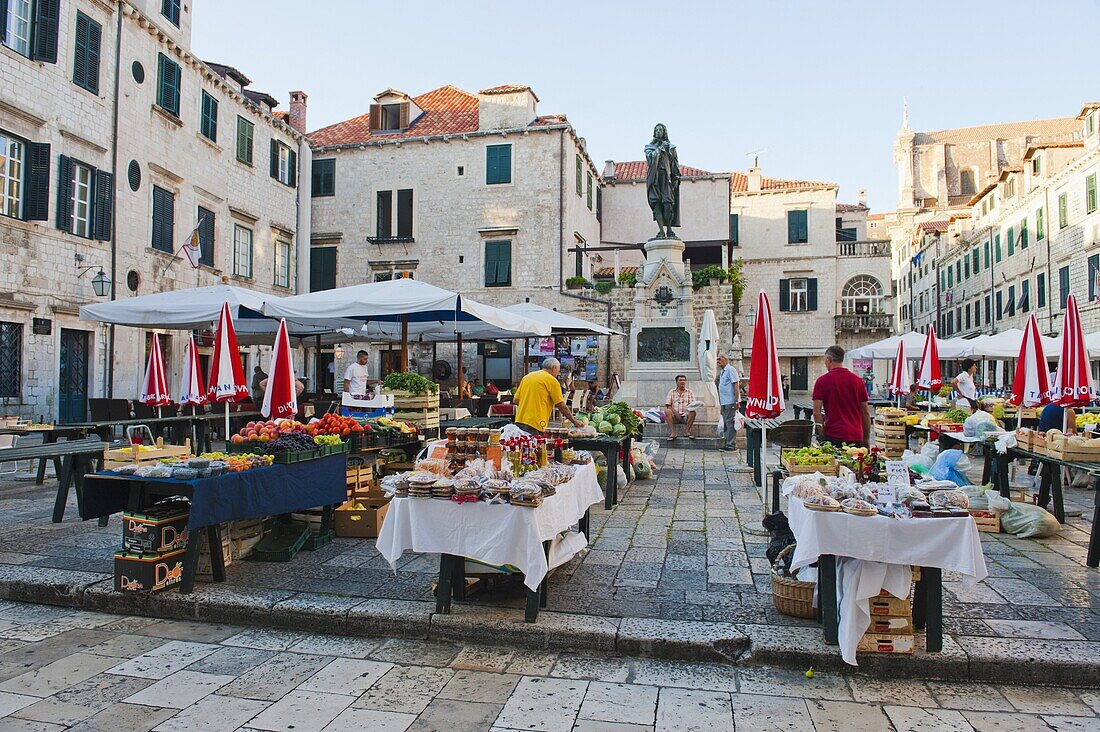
point(119, 409)
point(98, 410)
point(792, 433)
point(484, 404)
point(144, 411)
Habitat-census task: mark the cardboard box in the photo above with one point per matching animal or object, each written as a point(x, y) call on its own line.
point(205, 567)
point(879, 643)
point(890, 625)
point(363, 522)
point(136, 572)
point(160, 528)
point(890, 606)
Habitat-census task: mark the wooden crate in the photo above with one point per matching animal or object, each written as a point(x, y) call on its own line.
point(422, 418)
point(987, 524)
point(365, 522)
point(407, 401)
point(127, 456)
point(1074, 453)
point(793, 469)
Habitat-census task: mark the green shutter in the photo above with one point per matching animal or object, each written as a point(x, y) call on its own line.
point(735, 229)
point(292, 169)
point(47, 15)
point(168, 85)
point(274, 159)
point(244, 141)
point(64, 192)
point(1090, 193)
point(1093, 268)
point(784, 295)
point(811, 294)
point(1041, 290)
point(36, 203)
point(580, 188)
point(86, 53)
point(324, 177)
point(997, 248)
point(1023, 234)
point(1063, 284)
point(103, 204)
point(209, 117)
point(1011, 241)
point(1040, 228)
point(1063, 211)
point(498, 263)
point(206, 236)
point(498, 164)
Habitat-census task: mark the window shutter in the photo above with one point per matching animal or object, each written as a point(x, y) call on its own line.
point(293, 169)
point(80, 50)
point(784, 296)
point(504, 263)
point(403, 115)
point(104, 205)
point(3, 18)
point(490, 263)
point(375, 117)
point(1063, 285)
point(64, 191)
point(46, 17)
point(405, 212)
point(811, 294)
point(36, 205)
point(274, 159)
point(491, 164)
point(1094, 265)
point(206, 236)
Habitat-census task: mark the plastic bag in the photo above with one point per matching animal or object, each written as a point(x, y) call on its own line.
point(931, 450)
point(997, 502)
point(620, 476)
point(738, 420)
point(944, 467)
point(510, 432)
point(1026, 521)
point(912, 459)
point(979, 423)
point(720, 428)
point(976, 496)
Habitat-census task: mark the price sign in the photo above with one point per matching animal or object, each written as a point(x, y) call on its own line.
point(897, 475)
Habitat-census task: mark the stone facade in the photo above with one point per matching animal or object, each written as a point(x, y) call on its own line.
point(146, 146)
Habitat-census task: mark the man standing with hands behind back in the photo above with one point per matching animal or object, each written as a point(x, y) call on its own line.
point(844, 398)
point(728, 381)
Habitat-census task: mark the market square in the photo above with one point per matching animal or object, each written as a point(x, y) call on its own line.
point(300, 429)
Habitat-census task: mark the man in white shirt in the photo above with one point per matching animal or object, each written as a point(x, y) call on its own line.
point(356, 378)
point(728, 388)
point(964, 384)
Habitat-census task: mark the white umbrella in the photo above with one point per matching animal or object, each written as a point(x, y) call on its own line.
point(1006, 344)
point(887, 348)
point(707, 353)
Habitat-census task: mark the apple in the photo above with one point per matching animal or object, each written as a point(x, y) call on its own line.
point(237, 439)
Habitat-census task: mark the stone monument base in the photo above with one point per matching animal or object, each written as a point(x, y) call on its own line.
point(647, 388)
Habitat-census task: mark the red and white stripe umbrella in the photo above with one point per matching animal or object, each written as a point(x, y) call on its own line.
point(194, 393)
point(928, 376)
point(901, 380)
point(281, 397)
point(1073, 388)
point(154, 391)
point(1031, 387)
point(765, 392)
point(227, 382)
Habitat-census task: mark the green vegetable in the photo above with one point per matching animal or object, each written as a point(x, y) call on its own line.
point(956, 415)
point(410, 382)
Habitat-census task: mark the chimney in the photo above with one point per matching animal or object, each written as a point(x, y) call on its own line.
point(298, 110)
point(609, 169)
point(754, 178)
point(862, 196)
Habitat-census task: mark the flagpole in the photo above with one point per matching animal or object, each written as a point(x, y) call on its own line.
point(190, 238)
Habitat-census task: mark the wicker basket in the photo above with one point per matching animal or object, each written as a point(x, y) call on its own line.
point(791, 596)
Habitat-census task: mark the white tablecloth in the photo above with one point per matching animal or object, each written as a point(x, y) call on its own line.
point(875, 552)
point(496, 534)
point(451, 414)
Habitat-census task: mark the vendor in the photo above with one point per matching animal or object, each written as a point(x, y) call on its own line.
point(911, 402)
point(1053, 417)
point(356, 378)
point(964, 385)
point(538, 393)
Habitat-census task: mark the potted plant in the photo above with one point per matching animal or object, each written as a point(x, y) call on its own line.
point(736, 278)
point(712, 274)
point(605, 287)
point(575, 282)
point(628, 279)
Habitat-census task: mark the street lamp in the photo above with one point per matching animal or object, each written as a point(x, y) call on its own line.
point(750, 317)
point(101, 284)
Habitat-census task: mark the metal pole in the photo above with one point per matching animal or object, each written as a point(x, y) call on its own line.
point(404, 342)
point(458, 377)
point(317, 368)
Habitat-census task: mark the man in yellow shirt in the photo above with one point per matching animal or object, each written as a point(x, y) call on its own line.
point(537, 395)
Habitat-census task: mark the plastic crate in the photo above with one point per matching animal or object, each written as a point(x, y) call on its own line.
point(255, 448)
point(317, 539)
point(281, 543)
point(297, 456)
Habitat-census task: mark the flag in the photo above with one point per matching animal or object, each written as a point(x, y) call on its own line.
point(193, 247)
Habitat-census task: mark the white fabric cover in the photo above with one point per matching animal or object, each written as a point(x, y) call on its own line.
point(376, 309)
point(914, 346)
point(561, 323)
point(496, 534)
point(947, 543)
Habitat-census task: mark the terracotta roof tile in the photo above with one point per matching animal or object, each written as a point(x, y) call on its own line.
point(933, 226)
point(610, 271)
point(510, 89)
point(1062, 126)
point(636, 170)
point(739, 183)
point(851, 207)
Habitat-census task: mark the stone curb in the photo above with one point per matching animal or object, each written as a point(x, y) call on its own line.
point(994, 660)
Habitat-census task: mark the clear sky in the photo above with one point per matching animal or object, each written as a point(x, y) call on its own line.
point(818, 85)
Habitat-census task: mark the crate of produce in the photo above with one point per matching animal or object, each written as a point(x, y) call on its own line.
point(826, 465)
point(887, 643)
point(360, 518)
point(252, 448)
point(148, 572)
point(987, 521)
point(889, 428)
point(159, 528)
point(143, 454)
point(888, 605)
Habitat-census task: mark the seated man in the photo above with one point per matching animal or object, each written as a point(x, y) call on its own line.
point(676, 408)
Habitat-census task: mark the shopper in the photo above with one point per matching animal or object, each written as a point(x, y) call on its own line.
point(840, 403)
point(538, 393)
point(728, 381)
point(679, 408)
point(258, 377)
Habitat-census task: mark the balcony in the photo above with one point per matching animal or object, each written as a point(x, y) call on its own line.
point(869, 322)
point(864, 248)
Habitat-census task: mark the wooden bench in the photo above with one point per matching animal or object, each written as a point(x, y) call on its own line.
point(77, 457)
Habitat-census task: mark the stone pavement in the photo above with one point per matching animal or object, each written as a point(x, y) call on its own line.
point(83, 671)
point(683, 551)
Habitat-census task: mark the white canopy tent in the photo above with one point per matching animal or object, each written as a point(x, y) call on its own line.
point(560, 323)
point(1006, 344)
point(887, 348)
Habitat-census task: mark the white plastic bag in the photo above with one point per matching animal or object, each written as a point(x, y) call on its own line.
point(930, 449)
point(510, 432)
point(721, 426)
point(979, 423)
point(738, 420)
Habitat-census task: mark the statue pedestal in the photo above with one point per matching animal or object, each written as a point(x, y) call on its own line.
point(663, 338)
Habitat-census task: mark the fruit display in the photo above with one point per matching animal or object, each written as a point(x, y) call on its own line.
point(1084, 420)
point(389, 424)
point(616, 418)
point(290, 442)
point(240, 463)
point(266, 431)
point(410, 382)
point(335, 424)
point(327, 439)
point(817, 455)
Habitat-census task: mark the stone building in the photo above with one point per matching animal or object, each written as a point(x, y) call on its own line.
point(478, 193)
point(1030, 239)
point(939, 173)
point(115, 142)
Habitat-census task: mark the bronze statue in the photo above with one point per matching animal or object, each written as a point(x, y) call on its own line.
point(662, 182)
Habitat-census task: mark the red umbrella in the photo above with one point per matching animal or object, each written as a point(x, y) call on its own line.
point(194, 393)
point(901, 381)
point(928, 377)
point(1031, 387)
point(227, 382)
point(1073, 388)
point(154, 392)
point(765, 392)
point(281, 397)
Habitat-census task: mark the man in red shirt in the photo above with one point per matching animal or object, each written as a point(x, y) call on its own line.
point(844, 398)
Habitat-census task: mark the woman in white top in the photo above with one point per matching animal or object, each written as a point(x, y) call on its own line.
point(964, 383)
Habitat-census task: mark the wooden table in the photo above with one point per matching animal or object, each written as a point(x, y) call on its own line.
point(1050, 475)
point(73, 458)
point(803, 410)
point(50, 435)
point(198, 426)
point(609, 446)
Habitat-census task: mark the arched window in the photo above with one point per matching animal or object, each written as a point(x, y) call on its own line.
point(966, 182)
point(862, 295)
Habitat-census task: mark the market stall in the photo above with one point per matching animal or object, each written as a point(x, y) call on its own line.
point(867, 538)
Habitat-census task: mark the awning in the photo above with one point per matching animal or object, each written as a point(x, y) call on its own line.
point(560, 323)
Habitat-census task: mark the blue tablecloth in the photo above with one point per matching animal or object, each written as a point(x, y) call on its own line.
point(250, 494)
